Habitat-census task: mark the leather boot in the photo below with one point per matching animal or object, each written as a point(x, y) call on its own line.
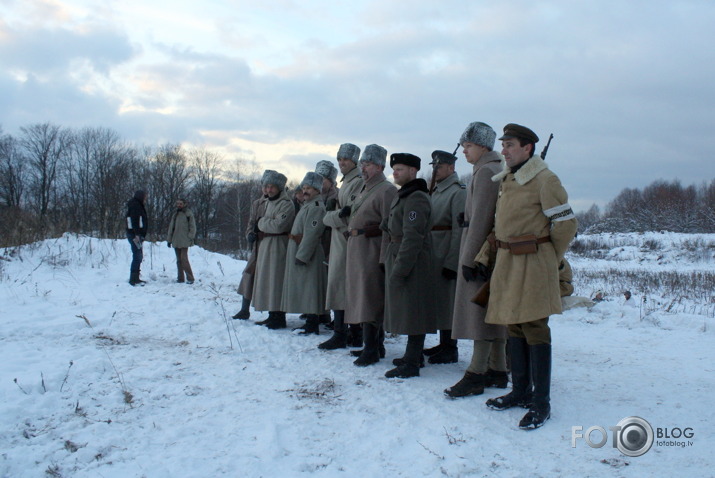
point(540, 409)
point(311, 326)
point(410, 366)
point(355, 335)
point(277, 322)
point(370, 354)
point(520, 395)
point(380, 343)
point(244, 313)
point(340, 333)
point(470, 384)
point(496, 379)
point(270, 318)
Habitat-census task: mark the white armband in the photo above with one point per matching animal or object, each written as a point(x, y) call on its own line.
point(560, 213)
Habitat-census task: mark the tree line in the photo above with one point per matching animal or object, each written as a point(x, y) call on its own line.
point(55, 179)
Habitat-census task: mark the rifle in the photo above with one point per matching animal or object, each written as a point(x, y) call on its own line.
point(434, 170)
point(546, 148)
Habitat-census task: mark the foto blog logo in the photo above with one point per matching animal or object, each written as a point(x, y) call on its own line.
point(633, 436)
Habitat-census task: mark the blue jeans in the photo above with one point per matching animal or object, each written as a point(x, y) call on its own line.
point(137, 254)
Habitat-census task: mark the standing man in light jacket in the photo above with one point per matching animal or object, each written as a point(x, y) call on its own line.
point(272, 230)
point(181, 235)
point(447, 200)
point(533, 227)
point(137, 227)
point(337, 219)
point(367, 245)
point(488, 365)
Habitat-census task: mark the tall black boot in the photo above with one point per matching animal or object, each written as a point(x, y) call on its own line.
point(244, 313)
point(340, 333)
point(269, 319)
point(277, 322)
point(410, 366)
point(540, 409)
point(520, 395)
point(355, 335)
point(311, 326)
point(447, 352)
point(370, 353)
point(380, 343)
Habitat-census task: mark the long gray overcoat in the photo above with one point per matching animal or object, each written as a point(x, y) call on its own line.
point(365, 285)
point(408, 294)
point(448, 200)
point(304, 285)
point(245, 287)
point(468, 318)
point(349, 190)
point(270, 265)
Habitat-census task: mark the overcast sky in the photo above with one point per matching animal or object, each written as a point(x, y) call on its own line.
point(627, 87)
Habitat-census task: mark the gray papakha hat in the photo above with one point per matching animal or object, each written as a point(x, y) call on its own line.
point(349, 151)
point(479, 133)
point(275, 178)
point(327, 170)
point(374, 153)
point(314, 180)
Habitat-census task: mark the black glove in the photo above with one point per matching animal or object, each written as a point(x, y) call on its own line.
point(345, 212)
point(483, 272)
point(331, 205)
point(298, 262)
point(251, 237)
point(168, 244)
point(469, 273)
point(255, 227)
point(460, 219)
point(448, 274)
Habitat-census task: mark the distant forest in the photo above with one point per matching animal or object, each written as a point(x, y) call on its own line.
point(55, 179)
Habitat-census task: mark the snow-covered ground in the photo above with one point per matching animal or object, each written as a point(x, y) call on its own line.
point(101, 379)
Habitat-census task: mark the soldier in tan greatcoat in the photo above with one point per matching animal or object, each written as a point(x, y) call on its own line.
point(329, 198)
point(447, 198)
point(533, 227)
point(245, 287)
point(408, 288)
point(365, 286)
point(488, 365)
point(305, 273)
point(337, 220)
point(272, 230)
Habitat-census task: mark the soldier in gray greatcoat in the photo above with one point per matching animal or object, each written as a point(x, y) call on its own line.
point(365, 286)
point(447, 199)
point(245, 287)
point(272, 230)
point(408, 286)
point(329, 198)
point(488, 365)
point(337, 220)
point(305, 277)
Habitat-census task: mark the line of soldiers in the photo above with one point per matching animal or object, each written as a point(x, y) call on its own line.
point(422, 259)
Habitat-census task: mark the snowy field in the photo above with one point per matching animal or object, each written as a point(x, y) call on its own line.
point(101, 379)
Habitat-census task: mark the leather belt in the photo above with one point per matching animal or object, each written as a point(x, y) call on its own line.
point(297, 238)
point(505, 245)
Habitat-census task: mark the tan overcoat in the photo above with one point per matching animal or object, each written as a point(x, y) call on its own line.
point(349, 190)
point(365, 285)
point(270, 265)
point(408, 292)
point(182, 229)
point(525, 287)
point(468, 317)
point(245, 287)
point(447, 200)
point(304, 285)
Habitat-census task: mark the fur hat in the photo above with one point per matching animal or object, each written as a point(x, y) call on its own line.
point(479, 133)
point(374, 153)
point(327, 170)
point(405, 158)
point(275, 178)
point(349, 151)
point(314, 180)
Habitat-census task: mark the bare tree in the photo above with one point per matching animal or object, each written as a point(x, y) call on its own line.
point(169, 177)
point(12, 172)
point(45, 146)
point(206, 186)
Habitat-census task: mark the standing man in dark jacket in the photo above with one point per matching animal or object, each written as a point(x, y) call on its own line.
point(137, 225)
point(408, 282)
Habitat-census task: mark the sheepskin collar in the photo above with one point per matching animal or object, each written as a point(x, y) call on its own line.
point(526, 173)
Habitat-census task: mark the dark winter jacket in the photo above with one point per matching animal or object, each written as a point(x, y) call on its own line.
point(137, 222)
